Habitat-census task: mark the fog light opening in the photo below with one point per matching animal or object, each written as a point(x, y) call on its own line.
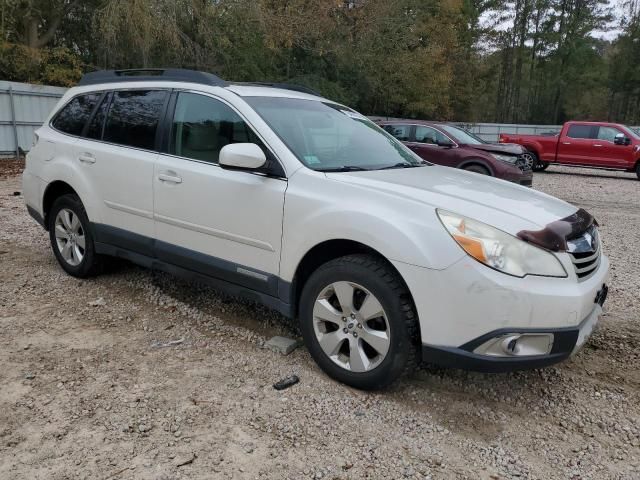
point(517, 345)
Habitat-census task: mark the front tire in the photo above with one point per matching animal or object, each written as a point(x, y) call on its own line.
point(537, 165)
point(71, 237)
point(359, 323)
point(638, 170)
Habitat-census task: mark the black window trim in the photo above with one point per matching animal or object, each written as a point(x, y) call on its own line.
point(85, 129)
point(168, 122)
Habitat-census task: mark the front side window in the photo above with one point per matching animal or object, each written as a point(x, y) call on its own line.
point(608, 133)
point(202, 126)
point(133, 118)
point(326, 136)
point(462, 136)
point(73, 117)
point(579, 131)
point(401, 132)
point(430, 135)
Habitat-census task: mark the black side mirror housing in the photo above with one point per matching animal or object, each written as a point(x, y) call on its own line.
point(444, 144)
point(622, 139)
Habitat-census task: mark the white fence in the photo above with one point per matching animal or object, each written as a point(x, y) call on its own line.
point(23, 108)
point(491, 131)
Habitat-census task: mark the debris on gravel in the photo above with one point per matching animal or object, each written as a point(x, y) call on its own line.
point(281, 345)
point(83, 396)
point(286, 382)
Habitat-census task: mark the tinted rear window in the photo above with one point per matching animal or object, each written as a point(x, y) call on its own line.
point(75, 114)
point(580, 131)
point(133, 118)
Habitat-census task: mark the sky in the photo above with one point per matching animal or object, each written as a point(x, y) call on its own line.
point(617, 10)
point(612, 31)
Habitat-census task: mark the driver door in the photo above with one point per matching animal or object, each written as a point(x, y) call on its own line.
point(222, 223)
point(426, 146)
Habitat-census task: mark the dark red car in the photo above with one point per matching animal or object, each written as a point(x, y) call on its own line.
point(446, 144)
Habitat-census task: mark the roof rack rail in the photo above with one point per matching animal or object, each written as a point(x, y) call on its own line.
point(151, 74)
point(285, 86)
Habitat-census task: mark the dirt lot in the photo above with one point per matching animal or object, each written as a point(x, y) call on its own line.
point(89, 389)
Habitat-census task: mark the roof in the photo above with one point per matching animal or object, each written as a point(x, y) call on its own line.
point(194, 76)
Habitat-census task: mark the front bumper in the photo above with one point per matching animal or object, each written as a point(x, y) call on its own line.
point(566, 342)
point(467, 304)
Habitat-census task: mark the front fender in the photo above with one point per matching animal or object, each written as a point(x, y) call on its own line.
point(319, 210)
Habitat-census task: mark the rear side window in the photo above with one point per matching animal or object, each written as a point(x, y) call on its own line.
point(580, 131)
point(203, 125)
point(75, 114)
point(401, 132)
point(133, 118)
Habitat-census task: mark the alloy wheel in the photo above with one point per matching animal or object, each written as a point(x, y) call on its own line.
point(351, 326)
point(70, 238)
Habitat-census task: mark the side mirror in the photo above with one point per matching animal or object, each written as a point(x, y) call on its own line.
point(242, 156)
point(621, 139)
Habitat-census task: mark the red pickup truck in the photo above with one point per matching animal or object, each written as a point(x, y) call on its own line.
point(584, 144)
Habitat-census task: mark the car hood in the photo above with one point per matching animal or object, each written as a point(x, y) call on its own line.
point(509, 148)
point(505, 205)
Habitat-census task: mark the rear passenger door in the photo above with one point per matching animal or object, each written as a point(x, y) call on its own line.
point(222, 223)
point(576, 146)
point(117, 153)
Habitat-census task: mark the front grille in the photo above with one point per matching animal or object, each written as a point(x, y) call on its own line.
point(585, 252)
point(524, 163)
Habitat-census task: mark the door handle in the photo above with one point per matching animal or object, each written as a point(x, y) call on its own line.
point(597, 145)
point(86, 158)
point(169, 177)
point(566, 143)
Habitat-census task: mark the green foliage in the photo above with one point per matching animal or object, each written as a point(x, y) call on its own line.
point(467, 60)
point(55, 66)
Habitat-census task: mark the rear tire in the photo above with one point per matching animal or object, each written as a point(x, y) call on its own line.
point(349, 302)
point(638, 170)
point(71, 237)
point(477, 169)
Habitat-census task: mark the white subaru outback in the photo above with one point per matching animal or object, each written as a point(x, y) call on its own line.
point(284, 197)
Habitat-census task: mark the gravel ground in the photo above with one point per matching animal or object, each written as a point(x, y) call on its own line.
point(92, 388)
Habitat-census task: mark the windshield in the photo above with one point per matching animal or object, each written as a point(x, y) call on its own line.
point(326, 136)
point(462, 136)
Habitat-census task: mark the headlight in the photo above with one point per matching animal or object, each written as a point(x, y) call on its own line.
point(499, 250)
point(512, 159)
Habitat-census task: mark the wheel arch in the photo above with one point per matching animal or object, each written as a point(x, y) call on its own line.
point(477, 161)
point(324, 252)
point(53, 191)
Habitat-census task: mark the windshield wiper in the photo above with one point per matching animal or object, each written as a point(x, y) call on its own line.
point(401, 165)
point(345, 168)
